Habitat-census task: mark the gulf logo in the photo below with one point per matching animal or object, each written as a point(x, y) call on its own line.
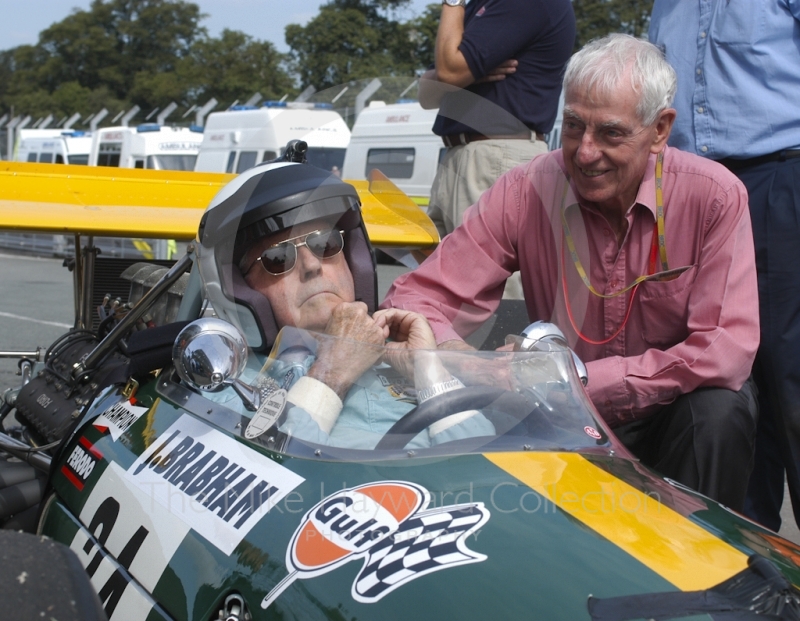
point(351, 521)
point(380, 523)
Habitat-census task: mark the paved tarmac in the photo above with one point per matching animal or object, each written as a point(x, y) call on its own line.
point(36, 307)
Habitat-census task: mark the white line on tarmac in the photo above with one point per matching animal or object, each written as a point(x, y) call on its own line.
point(41, 321)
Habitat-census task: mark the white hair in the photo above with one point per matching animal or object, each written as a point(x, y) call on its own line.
point(600, 65)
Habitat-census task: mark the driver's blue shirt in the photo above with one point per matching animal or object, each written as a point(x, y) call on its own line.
point(377, 401)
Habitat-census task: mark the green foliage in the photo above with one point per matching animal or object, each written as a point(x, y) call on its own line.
point(236, 66)
point(145, 52)
point(356, 39)
point(151, 52)
point(597, 18)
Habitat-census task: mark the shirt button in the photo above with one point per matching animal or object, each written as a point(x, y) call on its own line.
point(607, 233)
point(704, 148)
point(699, 71)
point(702, 35)
point(700, 110)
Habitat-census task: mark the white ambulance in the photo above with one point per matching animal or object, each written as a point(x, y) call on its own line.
point(53, 146)
point(237, 139)
point(151, 146)
point(398, 140)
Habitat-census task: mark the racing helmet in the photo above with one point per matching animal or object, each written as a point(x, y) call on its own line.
point(263, 200)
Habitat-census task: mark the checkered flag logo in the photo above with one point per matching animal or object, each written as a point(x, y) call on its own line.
point(388, 525)
point(428, 541)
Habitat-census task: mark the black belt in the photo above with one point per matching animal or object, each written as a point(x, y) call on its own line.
point(778, 156)
point(455, 140)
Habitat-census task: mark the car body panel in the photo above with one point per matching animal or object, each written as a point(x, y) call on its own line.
point(115, 202)
point(557, 528)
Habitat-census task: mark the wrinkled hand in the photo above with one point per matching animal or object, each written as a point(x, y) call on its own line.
point(409, 332)
point(359, 344)
point(500, 72)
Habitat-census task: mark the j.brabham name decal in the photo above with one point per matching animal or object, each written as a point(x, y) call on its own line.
point(118, 418)
point(216, 485)
point(388, 526)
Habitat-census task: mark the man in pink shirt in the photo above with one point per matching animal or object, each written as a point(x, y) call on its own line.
point(642, 254)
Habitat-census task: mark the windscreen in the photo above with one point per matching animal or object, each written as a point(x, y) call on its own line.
point(171, 162)
point(328, 159)
point(319, 395)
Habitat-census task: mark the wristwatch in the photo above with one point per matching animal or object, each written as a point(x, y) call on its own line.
point(455, 2)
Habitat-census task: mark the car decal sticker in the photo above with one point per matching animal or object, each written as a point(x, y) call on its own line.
point(268, 413)
point(119, 418)
point(389, 526)
point(139, 535)
point(676, 548)
point(216, 485)
point(81, 462)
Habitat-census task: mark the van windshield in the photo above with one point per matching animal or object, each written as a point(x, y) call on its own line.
point(171, 162)
point(326, 158)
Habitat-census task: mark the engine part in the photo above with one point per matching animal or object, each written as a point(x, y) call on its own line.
point(52, 400)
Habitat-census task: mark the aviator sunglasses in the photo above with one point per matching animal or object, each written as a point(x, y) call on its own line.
point(281, 258)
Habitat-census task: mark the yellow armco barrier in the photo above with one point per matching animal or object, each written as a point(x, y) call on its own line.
point(162, 204)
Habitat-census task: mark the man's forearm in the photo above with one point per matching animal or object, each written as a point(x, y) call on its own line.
point(451, 66)
point(431, 90)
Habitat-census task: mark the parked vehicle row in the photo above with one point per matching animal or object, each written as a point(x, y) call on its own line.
point(395, 139)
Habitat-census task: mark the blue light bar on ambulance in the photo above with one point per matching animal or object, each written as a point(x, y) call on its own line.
point(148, 127)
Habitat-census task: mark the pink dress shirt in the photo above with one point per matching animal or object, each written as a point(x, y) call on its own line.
point(697, 330)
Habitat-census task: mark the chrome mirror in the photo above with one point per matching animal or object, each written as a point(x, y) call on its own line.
point(209, 354)
point(544, 332)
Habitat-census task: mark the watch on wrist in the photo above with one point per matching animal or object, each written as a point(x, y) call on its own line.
point(455, 2)
point(438, 389)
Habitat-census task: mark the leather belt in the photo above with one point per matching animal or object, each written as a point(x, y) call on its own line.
point(778, 156)
point(454, 140)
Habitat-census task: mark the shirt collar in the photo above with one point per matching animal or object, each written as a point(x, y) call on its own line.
point(647, 188)
point(646, 196)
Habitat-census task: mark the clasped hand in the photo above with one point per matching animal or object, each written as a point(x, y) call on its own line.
point(361, 342)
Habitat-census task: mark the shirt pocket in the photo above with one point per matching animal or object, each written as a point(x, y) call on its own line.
point(734, 24)
point(665, 309)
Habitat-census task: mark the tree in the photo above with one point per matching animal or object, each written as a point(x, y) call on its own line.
point(236, 66)
point(350, 40)
point(597, 18)
point(145, 52)
point(115, 42)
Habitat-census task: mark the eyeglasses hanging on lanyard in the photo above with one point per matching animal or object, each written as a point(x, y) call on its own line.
point(658, 254)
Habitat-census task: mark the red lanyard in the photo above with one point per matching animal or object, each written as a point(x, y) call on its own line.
point(657, 245)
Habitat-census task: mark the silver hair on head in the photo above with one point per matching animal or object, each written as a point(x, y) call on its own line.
point(602, 63)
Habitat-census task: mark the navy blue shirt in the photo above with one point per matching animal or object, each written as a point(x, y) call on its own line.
point(540, 34)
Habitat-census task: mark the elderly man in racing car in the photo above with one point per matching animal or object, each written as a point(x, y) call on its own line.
point(285, 245)
point(641, 254)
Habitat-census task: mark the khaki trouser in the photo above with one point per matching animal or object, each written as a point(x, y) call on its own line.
point(466, 172)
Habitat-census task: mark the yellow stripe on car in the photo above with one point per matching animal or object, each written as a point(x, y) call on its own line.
point(674, 547)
